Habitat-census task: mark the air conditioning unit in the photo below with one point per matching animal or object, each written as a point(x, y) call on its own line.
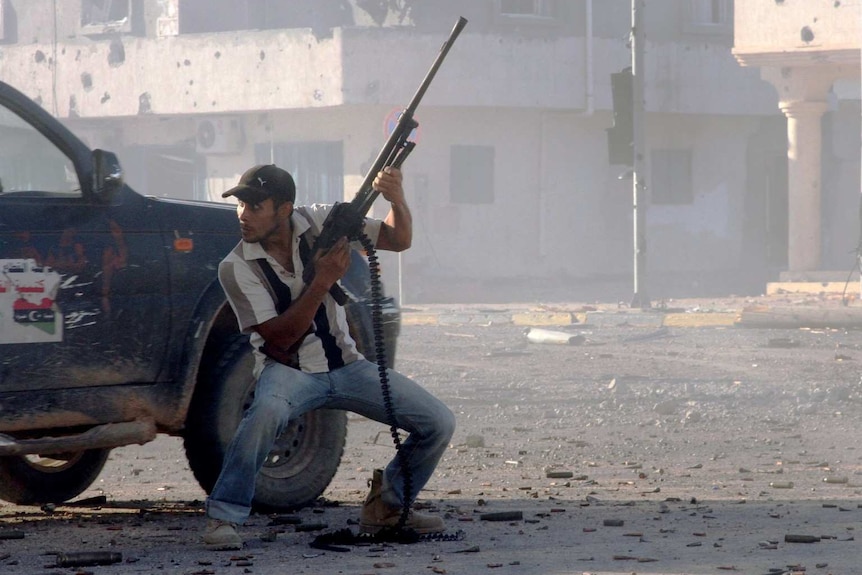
point(219, 136)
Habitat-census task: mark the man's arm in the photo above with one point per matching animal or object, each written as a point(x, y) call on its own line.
point(287, 328)
point(396, 231)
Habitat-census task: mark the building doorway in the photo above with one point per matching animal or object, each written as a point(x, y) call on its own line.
point(765, 217)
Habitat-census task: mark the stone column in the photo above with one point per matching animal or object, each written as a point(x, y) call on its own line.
point(802, 93)
point(803, 180)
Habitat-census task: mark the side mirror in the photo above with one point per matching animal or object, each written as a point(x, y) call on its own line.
point(107, 175)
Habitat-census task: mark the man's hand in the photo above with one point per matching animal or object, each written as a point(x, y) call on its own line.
point(332, 264)
point(396, 233)
point(289, 327)
point(389, 183)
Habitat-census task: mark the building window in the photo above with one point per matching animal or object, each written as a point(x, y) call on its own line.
point(534, 8)
point(8, 23)
point(106, 16)
point(671, 177)
point(316, 167)
point(471, 178)
point(709, 16)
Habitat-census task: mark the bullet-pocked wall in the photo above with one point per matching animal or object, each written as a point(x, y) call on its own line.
point(510, 180)
point(810, 51)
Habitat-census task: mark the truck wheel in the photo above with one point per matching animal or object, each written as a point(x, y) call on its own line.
point(305, 457)
point(35, 479)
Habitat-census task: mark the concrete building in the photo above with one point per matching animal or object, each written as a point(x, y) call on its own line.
point(511, 188)
point(810, 52)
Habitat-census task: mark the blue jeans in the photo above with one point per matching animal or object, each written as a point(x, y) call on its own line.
point(283, 393)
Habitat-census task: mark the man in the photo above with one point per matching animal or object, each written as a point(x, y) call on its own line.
point(327, 371)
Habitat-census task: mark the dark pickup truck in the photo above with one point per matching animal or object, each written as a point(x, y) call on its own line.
point(114, 328)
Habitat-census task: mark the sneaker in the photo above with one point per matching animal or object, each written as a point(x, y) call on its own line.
point(221, 535)
point(376, 514)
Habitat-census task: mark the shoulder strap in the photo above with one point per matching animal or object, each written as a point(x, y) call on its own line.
point(304, 248)
point(282, 292)
point(283, 297)
point(336, 291)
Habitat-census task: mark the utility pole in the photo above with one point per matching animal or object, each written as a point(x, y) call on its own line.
point(640, 298)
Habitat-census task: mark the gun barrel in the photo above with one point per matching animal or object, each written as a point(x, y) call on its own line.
point(366, 195)
point(444, 49)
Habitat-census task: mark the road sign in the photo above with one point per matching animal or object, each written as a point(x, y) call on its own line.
point(391, 121)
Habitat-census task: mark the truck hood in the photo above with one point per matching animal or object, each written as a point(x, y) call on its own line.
point(187, 217)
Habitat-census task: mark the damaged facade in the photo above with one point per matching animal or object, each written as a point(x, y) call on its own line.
point(810, 52)
point(510, 183)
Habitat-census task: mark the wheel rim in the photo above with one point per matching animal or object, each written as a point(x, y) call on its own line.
point(54, 463)
point(286, 458)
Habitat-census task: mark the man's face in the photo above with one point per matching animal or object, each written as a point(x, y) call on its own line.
point(258, 222)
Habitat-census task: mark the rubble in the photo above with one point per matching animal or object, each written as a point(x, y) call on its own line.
point(583, 476)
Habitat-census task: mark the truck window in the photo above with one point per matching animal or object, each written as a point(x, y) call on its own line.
point(31, 164)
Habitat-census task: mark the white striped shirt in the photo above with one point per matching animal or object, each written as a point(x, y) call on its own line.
point(253, 300)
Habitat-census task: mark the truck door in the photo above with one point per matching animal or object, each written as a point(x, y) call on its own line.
point(82, 281)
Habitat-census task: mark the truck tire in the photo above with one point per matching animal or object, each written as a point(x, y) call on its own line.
point(34, 479)
point(305, 457)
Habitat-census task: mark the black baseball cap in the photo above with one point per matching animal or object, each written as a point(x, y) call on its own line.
point(261, 182)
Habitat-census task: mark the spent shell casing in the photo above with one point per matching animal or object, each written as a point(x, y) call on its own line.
point(88, 558)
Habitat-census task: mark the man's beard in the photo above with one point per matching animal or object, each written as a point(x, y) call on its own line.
point(264, 236)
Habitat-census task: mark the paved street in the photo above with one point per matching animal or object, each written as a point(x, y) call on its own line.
point(636, 447)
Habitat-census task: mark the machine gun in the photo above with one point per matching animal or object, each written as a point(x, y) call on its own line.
point(346, 218)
